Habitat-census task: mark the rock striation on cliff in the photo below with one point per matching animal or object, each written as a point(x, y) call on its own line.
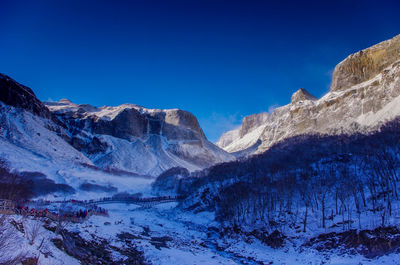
point(365, 92)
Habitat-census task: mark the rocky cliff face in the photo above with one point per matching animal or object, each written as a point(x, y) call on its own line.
point(136, 139)
point(365, 92)
point(14, 94)
point(246, 136)
point(301, 95)
point(252, 122)
point(365, 64)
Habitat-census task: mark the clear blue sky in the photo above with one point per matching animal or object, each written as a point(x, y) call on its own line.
point(220, 60)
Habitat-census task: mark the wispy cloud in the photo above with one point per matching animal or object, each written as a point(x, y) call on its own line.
point(272, 108)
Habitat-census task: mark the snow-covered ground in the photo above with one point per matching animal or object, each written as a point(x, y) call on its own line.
point(28, 238)
point(167, 235)
point(190, 241)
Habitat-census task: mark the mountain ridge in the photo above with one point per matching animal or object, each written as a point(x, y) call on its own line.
point(359, 100)
point(128, 138)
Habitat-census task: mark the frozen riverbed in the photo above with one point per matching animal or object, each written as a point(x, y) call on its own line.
point(169, 236)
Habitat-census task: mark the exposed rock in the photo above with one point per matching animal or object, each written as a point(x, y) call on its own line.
point(127, 124)
point(365, 64)
point(301, 95)
point(251, 122)
point(160, 242)
point(365, 92)
point(14, 94)
point(182, 120)
point(244, 138)
point(143, 141)
point(370, 243)
point(275, 239)
point(97, 251)
point(30, 261)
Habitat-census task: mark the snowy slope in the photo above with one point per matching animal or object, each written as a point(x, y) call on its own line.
point(127, 138)
point(27, 145)
point(35, 135)
point(248, 140)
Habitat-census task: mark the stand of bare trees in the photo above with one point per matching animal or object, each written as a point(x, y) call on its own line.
point(326, 191)
point(335, 179)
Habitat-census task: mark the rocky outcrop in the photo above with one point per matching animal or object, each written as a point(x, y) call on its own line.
point(251, 122)
point(241, 141)
point(370, 243)
point(365, 92)
point(127, 121)
point(14, 94)
point(128, 124)
point(301, 95)
point(179, 124)
point(365, 64)
point(136, 139)
point(97, 250)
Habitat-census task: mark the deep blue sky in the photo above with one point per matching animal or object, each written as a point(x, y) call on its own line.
point(220, 60)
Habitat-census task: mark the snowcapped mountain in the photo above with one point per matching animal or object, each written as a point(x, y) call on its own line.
point(365, 92)
point(136, 139)
point(128, 138)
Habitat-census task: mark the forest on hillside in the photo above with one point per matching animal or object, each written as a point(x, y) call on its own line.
point(328, 181)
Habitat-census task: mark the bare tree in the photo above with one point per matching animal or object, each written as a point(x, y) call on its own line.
point(32, 231)
point(61, 224)
point(7, 237)
point(305, 191)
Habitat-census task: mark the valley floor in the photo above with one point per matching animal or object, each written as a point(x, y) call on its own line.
point(166, 235)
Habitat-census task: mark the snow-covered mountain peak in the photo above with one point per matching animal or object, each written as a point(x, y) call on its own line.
point(133, 138)
point(151, 121)
point(172, 116)
point(364, 92)
point(127, 137)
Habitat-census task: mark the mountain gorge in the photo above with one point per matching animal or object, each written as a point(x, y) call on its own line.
point(364, 94)
point(73, 144)
point(313, 182)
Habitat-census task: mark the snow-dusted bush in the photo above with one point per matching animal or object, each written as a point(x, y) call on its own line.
point(32, 231)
